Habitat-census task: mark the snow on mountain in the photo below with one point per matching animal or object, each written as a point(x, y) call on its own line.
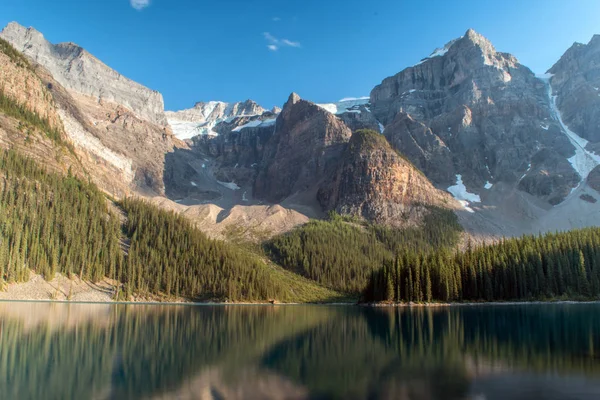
point(203, 117)
point(583, 161)
point(439, 52)
point(256, 123)
point(348, 104)
point(460, 193)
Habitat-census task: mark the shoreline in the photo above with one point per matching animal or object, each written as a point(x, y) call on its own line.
point(353, 304)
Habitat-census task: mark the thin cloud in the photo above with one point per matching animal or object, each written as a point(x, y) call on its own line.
point(139, 4)
point(276, 19)
point(274, 43)
point(290, 43)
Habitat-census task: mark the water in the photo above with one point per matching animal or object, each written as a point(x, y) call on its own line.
point(82, 351)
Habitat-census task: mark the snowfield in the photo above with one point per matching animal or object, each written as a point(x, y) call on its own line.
point(348, 104)
point(460, 193)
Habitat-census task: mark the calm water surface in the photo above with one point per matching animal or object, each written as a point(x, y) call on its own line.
point(82, 351)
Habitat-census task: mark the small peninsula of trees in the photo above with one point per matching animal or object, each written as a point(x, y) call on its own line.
point(560, 265)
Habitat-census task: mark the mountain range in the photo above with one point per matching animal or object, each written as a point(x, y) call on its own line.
point(468, 129)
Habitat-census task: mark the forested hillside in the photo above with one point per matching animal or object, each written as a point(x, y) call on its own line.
point(54, 224)
point(563, 265)
point(341, 253)
point(168, 255)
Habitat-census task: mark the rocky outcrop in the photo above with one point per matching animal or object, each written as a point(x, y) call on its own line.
point(471, 110)
point(420, 145)
point(576, 83)
point(593, 179)
point(374, 182)
point(77, 70)
point(304, 149)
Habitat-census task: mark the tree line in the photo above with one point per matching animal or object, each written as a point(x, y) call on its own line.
point(558, 265)
point(341, 253)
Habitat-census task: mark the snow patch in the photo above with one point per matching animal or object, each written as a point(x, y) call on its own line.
point(193, 183)
point(381, 127)
point(545, 127)
point(460, 193)
point(256, 123)
point(186, 130)
point(244, 198)
point(348, 104)
point(439, 52)
point(229, 185)
point(488, 185)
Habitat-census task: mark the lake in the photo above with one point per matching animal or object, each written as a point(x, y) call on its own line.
point(108, 351)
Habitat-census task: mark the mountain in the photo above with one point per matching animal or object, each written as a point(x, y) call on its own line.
point(514, 150)
point(376, 183)
point(203, 117)
point(77, 70)
point(472, 111)
point(575, 80)
point(117, 126)
point(305, 146)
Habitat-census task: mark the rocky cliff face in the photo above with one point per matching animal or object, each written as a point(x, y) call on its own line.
point(77, 70)
point(576, 83)
point(472, 111)
point(374, 182)
point(238, 147)
point(303, 150)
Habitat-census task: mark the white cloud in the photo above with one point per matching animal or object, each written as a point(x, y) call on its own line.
point(274, 43)
point(290, 43)
point(139, 4)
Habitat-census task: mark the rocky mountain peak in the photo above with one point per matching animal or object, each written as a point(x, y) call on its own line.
point(80, 72)
point(478, 39)
point(293, 99)
point(303, 150)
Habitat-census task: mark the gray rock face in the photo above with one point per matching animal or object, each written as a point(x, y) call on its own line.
point(238, 148)
point(374, 182)
point(77, 70)
point(576, 83)
point(471, 110)
point(304, 149)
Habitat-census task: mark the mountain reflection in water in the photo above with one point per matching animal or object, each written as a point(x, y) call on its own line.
point(102, 351)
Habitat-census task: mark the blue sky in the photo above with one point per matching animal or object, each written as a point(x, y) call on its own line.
point(232, 50)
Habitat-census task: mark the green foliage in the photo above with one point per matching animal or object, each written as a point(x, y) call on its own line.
point(341, 254)
point(562, 265)
point(50, 224)
point(14, 109)
point(13, 54)
point(168, 255)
